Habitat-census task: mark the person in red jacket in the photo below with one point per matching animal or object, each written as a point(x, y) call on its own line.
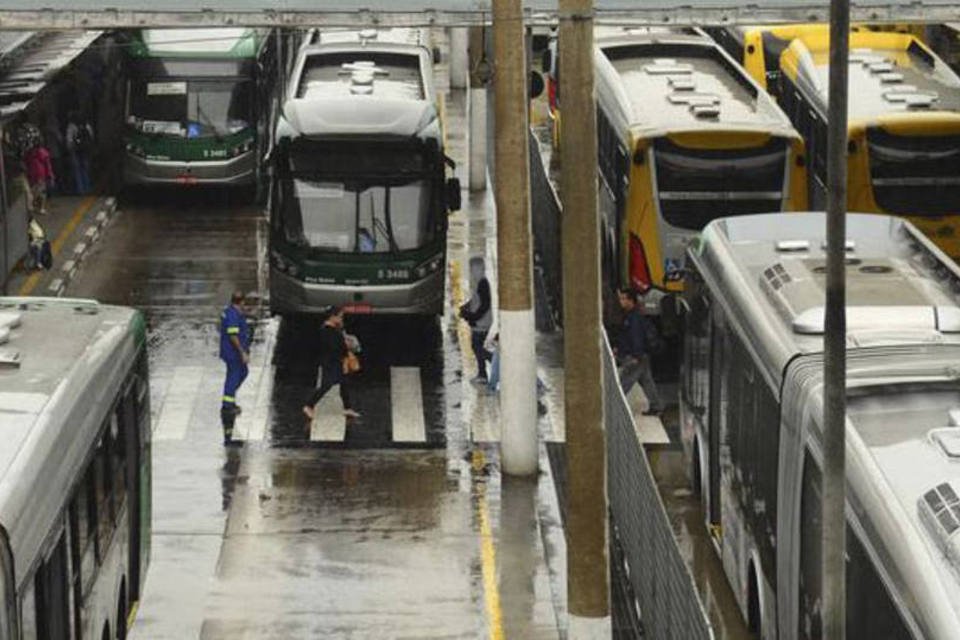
point(39, 169)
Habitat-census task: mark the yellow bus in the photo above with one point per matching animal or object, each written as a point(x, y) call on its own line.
point(904, 127)
point(684, 136)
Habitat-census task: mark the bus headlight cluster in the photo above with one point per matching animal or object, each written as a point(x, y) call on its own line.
point(284, 265)
point(241, 148)
point(428, 267)
point(136, 150)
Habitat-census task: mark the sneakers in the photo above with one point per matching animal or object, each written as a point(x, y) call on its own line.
point(309, 412)
point(350, 413)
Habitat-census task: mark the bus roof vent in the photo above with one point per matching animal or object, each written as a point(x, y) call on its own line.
point(954, 416)
point(890, 77)
point(948, 440)
point(362, 74)
point(681, 83)
point(9, 359)
point(919, 100)
point(668, 66)
point(939, 510)
point(705, 110)
point(879, 66)
point(694, 98)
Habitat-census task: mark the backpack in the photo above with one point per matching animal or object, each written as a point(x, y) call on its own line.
point(82, 138)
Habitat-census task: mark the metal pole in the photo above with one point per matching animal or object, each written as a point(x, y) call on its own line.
point(458, 57)
point(5, 212)
point(588, 591)
point(477, 96)
point(518, 360)
point(834, 363)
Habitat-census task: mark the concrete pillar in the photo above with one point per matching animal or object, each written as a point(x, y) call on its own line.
point(518, 360)
point(458, 58)
point(477, 111)
point(588, 573)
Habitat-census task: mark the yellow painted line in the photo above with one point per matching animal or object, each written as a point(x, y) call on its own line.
point(132, 617)
point(55, 247)
point(488, 559)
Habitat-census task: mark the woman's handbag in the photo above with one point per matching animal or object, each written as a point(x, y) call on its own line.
point(351, 363)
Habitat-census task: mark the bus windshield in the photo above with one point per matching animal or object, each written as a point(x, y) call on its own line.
point(695, 186)
point(191, 108)
point(357, 216)
point(915, 175)
point(357, 197)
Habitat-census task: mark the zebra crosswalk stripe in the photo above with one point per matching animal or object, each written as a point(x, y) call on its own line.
point(406, 404)
point(178, 404)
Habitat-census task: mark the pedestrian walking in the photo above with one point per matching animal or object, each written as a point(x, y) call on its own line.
point(235, 353)
point(637, 341)
point(39, 170)
point(338, 360)
point(478, 313)
point(79, 136)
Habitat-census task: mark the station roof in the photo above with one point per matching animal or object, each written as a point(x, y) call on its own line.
point(63, 14)
point(30, 61)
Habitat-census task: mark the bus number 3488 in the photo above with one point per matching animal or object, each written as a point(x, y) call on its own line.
point(393, 274)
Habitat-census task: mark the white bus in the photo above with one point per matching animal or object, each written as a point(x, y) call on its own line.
point(751, 421)
point(360, 194)
point(74, 468)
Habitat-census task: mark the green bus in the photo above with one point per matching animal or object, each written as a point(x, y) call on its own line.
point(75, 471)
point(200, 104)
point(359, 191)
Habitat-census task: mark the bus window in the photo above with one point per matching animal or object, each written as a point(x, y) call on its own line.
point(53, 595)
point(104, 516)
point(83, 519)
point(28, 612)
point(871, 612)
point(695, 186)
point(118, 459)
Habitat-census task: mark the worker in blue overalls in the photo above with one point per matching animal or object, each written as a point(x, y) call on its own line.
point(235, 352)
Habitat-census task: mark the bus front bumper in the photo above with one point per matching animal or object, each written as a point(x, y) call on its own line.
point(289, 295)
point(239, 170)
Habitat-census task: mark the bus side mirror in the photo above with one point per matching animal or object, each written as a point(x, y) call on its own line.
point(453, 194)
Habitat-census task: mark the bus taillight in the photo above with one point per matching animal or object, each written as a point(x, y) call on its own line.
point(639, 269)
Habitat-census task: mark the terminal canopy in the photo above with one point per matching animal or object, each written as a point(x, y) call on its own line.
point(88, 14)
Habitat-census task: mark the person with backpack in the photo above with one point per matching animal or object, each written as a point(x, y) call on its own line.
point(79, 137)
point(638, 340)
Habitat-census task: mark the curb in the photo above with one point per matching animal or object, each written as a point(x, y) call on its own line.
point(88, 237)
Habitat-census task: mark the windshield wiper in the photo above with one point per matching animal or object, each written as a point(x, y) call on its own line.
point(207, 121)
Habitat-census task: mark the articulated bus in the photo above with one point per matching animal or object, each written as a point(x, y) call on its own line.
point(359, 196)
point(684, 136)
point(199, 106)
point(751, 406)
point(75, 486)
point(903, 131)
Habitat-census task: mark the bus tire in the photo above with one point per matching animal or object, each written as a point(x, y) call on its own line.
point(754, 615)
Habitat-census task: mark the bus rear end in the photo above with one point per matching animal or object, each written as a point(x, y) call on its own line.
point(682, 181)
point(910, 166)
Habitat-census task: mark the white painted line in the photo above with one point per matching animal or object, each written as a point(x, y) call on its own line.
point(69, 266)
point(649, 428)
point(178, 404)
point(101, 217)
point(329, 424)
point(91, 233)
point(79, 249)
point(111, 203)
point(406, 404)
point(56, 286)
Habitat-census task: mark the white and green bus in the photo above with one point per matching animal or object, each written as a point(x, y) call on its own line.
point(74, 468)
point(359, 191)
point(200, 104)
